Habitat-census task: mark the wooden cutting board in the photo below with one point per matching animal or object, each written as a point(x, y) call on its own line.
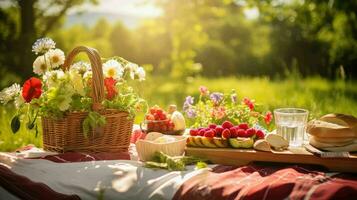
point(241, 157)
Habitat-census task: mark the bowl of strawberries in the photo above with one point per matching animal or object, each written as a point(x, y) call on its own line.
point(158, 120)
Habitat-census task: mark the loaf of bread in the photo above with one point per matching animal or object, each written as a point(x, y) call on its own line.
point(334, 132)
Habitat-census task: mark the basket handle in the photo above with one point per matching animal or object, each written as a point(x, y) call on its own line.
point(97, 76)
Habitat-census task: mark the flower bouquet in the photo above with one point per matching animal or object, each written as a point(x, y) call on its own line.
point(83, 107)
point(216, 108)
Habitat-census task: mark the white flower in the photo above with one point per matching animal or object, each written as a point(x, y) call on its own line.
point(132, 67)
point(56, 57)
point(40, 66)
point(113, 68)
point(42, 45)
point(135, 71)
point(51, 78)
point(77, 82)
point(81, 67)
point(19, 101)
point(141, 73)
point(8, 94)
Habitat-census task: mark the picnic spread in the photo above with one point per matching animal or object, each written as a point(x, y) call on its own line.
point(218, 147)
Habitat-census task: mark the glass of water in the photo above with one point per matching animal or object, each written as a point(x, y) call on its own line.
point(291, 124)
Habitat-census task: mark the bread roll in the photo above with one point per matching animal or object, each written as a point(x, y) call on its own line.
point(319, 144)
point(335, 139)
point(347, 148)
point(340, 119)
point(324, 129)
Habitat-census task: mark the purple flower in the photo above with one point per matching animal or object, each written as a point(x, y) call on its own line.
point(191, 113)
point(188, 103)
point(216, 97)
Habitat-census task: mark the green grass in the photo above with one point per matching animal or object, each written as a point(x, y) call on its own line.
point(318, 95)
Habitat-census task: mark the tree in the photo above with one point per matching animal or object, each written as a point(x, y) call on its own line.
point(36, 19)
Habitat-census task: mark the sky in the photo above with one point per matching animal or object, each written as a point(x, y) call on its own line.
point(137, 8)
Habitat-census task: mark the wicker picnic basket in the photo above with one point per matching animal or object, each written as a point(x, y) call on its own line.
point(66, 134)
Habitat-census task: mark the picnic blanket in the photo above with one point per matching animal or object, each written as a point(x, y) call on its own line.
point(268, 182)
point(88, 176)
point(115, 176)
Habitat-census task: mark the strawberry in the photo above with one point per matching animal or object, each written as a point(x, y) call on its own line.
point(152, 110)
point(241, 133)
point(154, 126)
point(260, 134)
point(150, 126)
point(219, 130)
point(163, 127)
point(149, 117)
point(171, 126)
point(209, 133)
point(226, 134)
point(159, 111)
point(243, 126)
point(212, 126)
point(162, 116)
point(233, 131)
point(250, 132)
point(201, 132)
point(227, 125)
point(156, 116)
point(193, 132)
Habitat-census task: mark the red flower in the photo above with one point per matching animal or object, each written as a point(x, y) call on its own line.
point(32, 88)
point(249, 103)
point(218, 112)
point(110, 86)
point(268, 117)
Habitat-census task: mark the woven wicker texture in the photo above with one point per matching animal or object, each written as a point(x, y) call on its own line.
point(66, 134)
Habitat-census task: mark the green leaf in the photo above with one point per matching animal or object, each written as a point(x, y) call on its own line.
point(30, 125)
point(36, 129)
point(92, 121)
point(201, 165)
point(15, 124)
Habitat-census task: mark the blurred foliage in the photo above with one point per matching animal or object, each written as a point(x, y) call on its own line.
point(271, 57)
point(207, 37)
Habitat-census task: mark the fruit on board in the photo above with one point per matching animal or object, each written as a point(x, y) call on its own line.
point(241, 133)
point(208, 142)
point(190, 142)
point(239, 142)
point(219, 131)
point(220, 142)
point(244, 126)
point(260, 134)
point(226, 134)
point(198, 141)
point(209, 133)
point(212, 126)
point(217, 136)
point(250, 132)
point(193, 132)
point(227, 125)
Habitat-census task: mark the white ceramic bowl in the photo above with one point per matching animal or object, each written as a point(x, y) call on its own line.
point(146, 148)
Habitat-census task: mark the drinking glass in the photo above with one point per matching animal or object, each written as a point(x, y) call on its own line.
point(291, 124)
